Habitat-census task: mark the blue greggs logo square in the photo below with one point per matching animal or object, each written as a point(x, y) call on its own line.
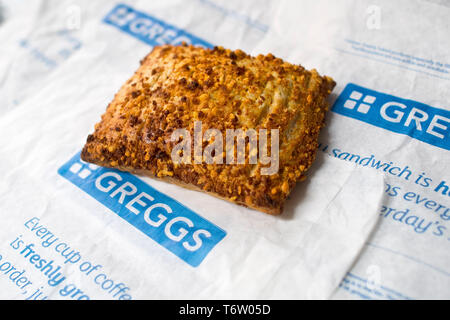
point(174, 226)
point(415, 119)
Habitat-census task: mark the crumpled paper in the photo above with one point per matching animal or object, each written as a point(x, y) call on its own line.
point(59, 73)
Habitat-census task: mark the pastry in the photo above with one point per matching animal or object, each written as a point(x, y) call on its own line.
point(193, 88)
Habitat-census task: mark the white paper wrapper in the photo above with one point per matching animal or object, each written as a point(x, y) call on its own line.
point(61, 69)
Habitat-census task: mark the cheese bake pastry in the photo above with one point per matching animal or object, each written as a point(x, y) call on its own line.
point(180, 87)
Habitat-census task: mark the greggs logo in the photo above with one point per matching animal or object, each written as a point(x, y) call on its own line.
point(166, 221)
point(149, 29)
point(415, 119)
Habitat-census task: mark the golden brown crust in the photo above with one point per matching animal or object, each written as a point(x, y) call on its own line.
point(273, 211)
point(224, 89)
